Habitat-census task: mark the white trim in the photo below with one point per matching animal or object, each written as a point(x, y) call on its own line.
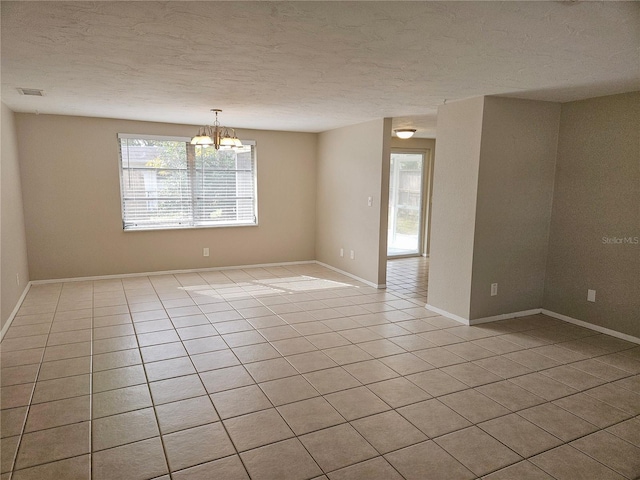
point(168, 138)
point(478, 321)
point(444, 313)
point(535, 311)
point(351, 275)
point(505, 316)
point(15, 311)
point(143, 136)
point(169, 272)
point(591, 326)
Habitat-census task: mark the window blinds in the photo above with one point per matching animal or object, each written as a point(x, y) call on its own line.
point(168, 183)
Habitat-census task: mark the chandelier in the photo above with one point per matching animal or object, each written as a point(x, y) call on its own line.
point(216, 135)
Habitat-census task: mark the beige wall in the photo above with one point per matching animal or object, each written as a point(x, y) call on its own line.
point(72, 203)
point(13, 248)
point(513, 211)
point(597, 194)
point(492, 195)
point(353, 164)
point(454, 205)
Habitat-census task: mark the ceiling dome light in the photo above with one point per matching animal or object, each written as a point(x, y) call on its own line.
point(405, 133)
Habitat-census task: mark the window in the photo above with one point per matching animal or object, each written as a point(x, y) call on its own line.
point(168, 183)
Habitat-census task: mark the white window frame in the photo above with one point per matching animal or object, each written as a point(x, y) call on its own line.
point(189, 223)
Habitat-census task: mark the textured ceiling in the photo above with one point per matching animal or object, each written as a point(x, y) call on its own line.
point(310, 66)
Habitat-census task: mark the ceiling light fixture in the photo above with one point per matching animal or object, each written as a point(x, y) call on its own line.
point(405, 133)
point(216, 136)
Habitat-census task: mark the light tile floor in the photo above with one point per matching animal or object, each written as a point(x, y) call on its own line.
point(300, 373)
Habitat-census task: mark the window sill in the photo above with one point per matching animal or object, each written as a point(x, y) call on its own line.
point(188, 227)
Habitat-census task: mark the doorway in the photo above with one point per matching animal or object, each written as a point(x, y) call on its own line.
point(406, 203)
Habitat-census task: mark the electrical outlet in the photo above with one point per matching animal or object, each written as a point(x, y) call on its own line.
point(494, 289)
point(352, 255)
point(370, 201)
point(205, 252)
point(18, 279)
point(591, 295)
point(342, 252)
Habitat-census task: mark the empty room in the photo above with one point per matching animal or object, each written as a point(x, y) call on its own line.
point(320, 240)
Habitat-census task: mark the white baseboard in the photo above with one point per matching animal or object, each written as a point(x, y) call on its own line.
point(478, 321)
point(169, 272)
point(15, 311)
point(495, 318)
point(591, 326)
point(351, 275)
point(535, 311)
point(450, 315)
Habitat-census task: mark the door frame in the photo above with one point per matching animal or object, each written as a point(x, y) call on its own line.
point(424, 226)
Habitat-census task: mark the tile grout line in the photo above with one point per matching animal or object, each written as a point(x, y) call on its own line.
point(349, 422)
point(392, 451)
point(14, 461)
point(237, 453)
point(469, 361)
point(497, 355)
point(388, 356)
point(320, 395)
point(91, 383)
point(412, 353)
point(147, 384)
point(268, 399)
point(296, 436)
